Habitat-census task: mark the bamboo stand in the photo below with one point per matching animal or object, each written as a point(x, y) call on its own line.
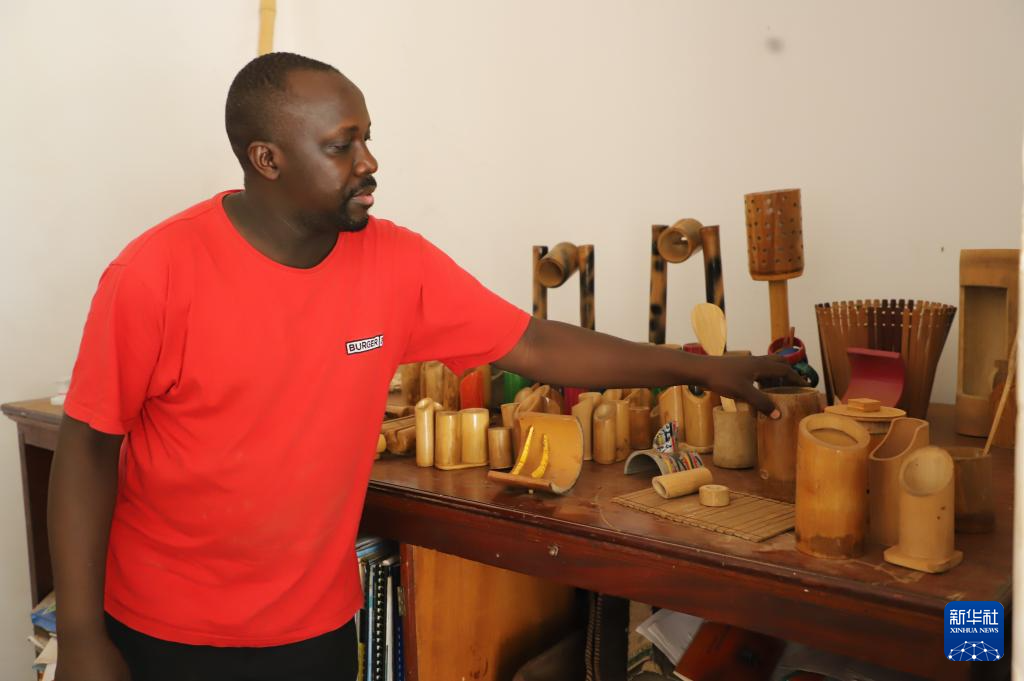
point(677, 244)
point(553, 268)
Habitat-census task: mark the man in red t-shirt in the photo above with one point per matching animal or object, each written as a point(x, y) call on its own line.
point(218, 433)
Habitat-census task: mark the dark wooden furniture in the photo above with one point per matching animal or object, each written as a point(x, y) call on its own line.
point(864, 608)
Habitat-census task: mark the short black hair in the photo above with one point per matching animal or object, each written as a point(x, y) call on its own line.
point(255, 94)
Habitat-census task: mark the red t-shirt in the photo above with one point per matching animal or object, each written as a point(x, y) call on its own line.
point(251, 411)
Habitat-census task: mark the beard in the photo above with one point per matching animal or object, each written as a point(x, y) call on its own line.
point(347, 222)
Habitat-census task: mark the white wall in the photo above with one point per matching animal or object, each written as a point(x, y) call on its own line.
point(501, 125)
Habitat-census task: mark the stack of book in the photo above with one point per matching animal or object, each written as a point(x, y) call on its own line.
point(44, 637)
point(379, 623)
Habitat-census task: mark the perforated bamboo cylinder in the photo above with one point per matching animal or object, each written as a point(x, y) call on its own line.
point(831, 486)
point(775, 248)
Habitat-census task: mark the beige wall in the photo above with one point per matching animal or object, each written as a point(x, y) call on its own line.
point(503, 124)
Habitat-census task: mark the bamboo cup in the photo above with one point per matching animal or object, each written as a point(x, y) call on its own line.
point(604, 433)
point(926, 513)
point(584, 413)
point(698, 414)
point(508, 414)
point(410, 381)
point(681, 483)
point(905, 436)
point(448, 438)
point(735, 437)
point(777, 439)
point(975, 508)
point(424, 412)
point(499, 448)
point(831, 486)
point(713, 495)
point(474, 424)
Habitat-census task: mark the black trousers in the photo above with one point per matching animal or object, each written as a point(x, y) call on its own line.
point(330, 657)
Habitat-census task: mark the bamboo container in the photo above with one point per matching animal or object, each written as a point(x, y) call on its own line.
point(473, 423)
point(926, 513)
point(831, 487)
point(975, 507)
point(906, 435)
point(499, 448)
point(735, 437)
point(870, 415)
point(409, 376)
point(604, 433)
point(448, 439)
point(583, 410)
point(777, 439)
point(622, 450)
point(698, 414)
point(681, 483)
point(508, 414)
point(640, 397)
point(639, 428)
point(440, 384)
point(670, 404)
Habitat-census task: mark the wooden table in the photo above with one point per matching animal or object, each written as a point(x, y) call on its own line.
point(864, 608)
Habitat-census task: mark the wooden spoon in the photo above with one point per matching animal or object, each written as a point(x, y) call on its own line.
point(709, 324)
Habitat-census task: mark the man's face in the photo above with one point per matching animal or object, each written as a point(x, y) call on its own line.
point(326, 169)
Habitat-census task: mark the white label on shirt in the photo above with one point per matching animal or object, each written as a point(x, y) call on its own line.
point(364, 344)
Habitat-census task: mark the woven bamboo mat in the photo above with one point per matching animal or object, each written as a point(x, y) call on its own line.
point(747, 516)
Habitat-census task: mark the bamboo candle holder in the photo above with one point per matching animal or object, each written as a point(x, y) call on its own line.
point(777, 439)
point(775, 248)
point(474, 423)
point(975, 506)
point(713, 495)
point(553, 268)
point(988, 324)
point(831, 487)
point(926, 513)
point(906, 435)
point(447, 439)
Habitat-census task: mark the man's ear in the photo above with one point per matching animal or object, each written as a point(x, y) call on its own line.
point(265, 158)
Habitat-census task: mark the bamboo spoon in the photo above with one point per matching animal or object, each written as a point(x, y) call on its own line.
point(709, 324)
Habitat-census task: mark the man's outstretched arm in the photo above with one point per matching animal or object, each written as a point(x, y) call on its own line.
point(562, 354)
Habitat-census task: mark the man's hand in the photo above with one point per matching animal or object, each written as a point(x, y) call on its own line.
point(560, 354)
point(90, 657)
point(734, 377)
